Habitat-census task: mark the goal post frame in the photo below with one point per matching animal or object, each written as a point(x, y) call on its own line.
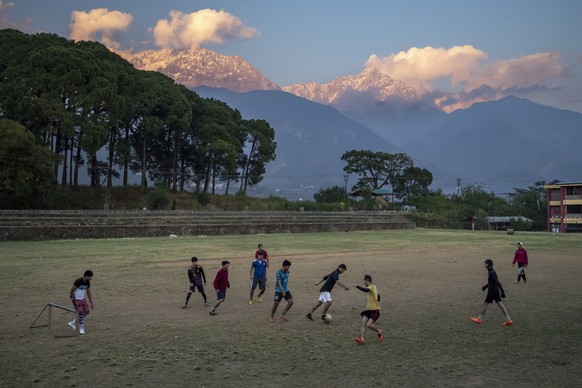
point(50, 306)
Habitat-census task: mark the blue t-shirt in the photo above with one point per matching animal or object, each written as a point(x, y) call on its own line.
point(259, 268)
point(283, 277)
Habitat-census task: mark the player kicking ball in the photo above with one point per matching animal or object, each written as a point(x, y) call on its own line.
point(372, 312)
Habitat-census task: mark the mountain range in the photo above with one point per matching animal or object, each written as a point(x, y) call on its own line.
point(499, 145)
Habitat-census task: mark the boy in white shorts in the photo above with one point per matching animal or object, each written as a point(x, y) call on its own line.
point(325, 291)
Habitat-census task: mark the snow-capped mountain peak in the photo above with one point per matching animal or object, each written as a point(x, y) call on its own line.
point(202, 67)
point(370, 80)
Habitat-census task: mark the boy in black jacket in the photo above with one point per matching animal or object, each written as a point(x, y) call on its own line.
point(494, 293)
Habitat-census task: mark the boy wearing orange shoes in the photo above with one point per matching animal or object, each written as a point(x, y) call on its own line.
point(372, 312)
point(494, 293)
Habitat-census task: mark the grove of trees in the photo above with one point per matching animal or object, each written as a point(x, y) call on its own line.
point(411, 185)
point(63, 102)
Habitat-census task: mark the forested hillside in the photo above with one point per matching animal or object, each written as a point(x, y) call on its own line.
point(63, 101)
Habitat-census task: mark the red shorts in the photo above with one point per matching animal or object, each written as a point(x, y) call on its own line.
point(81, 305)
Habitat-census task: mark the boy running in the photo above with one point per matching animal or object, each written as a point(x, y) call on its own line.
point(282, 291)
point(494, 293)
point(77, 294)
point(220, 285)
point(258, 275)
point(196, 276)
point(372, 312)
point(325, 291)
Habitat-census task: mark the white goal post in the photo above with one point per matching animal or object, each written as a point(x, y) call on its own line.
point(50, 306)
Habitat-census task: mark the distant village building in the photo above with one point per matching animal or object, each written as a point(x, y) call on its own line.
point(504, 223)
point(564, 206)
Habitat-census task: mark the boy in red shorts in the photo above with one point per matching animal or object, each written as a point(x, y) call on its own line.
point(77, 294)
point(372, 312)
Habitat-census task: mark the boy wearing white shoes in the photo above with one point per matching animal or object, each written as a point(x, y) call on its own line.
point(79, 294)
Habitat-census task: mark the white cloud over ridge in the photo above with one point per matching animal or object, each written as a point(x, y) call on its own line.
point(472, 76)
point(7, 5)
point(85, 25)
point(205, 26)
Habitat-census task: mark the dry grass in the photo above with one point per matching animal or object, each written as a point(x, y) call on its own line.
point(430, 282)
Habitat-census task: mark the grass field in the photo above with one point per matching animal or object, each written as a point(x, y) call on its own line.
point(430, 282)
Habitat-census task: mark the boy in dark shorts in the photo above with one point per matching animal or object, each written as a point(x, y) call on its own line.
point(495, 293)
point(196, 276)
point(521, 259)
point(372, 312)
point(221, 283)
point(282, 291)
point(258, 275)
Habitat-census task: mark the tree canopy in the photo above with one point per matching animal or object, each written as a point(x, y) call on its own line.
point(77, 99)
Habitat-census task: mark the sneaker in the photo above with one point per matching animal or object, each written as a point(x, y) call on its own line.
point(507, 323)
point(516, 282)
point(260, 300)
point(380, 336)
point(81, 329)
point(323, 317)
point(206, 304)
point(212, 312)
point(183, 307)
point(309, 316)
point(476, 320)
point(359, 340)
point(73, 324)
point(284, 318)
point(250, 301)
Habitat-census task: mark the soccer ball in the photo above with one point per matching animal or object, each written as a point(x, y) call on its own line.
point(327, 318)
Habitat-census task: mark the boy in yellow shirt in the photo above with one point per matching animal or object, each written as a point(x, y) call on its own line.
point(372, 312)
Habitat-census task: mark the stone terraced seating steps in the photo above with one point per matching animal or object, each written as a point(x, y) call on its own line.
point(31, 225)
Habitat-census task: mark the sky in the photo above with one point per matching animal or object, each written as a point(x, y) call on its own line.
point(459, 51)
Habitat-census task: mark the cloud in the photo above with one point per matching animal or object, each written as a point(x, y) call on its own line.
point(85, 25)
point(201, 27)
point(471, 75)
point(7, 22)
point(418, 67)
point(7, 5)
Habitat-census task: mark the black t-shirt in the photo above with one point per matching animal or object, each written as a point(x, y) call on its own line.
point(330, 281)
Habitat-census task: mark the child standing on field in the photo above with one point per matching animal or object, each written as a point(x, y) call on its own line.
point(220, 285)
point(494, 293)
point(196, 276)
point(258, 275)
point(282, 291)
point(262, 251)
point(521, 259)
point(77, 294)
point(372, 312)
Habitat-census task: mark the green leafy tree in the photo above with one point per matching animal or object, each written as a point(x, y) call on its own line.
point(531, 203)
point(376, 169)
point(25, 167)
point(261, 145)
point(330, 195)
point(414, 182)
